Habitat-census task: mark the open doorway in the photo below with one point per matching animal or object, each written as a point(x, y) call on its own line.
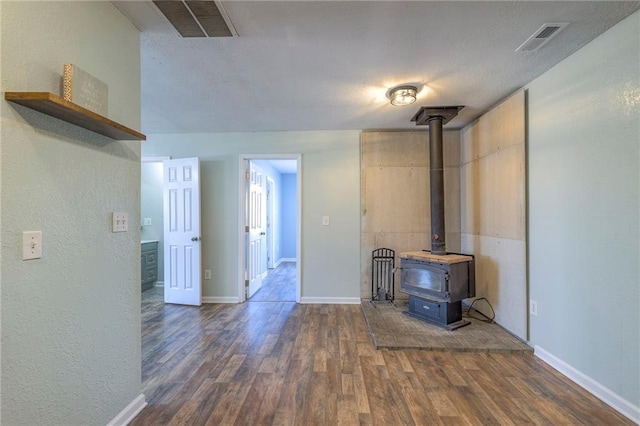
point(270, 231)
point(152, 229)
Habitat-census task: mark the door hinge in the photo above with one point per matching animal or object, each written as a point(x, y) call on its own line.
point(247, 175)
point(246, 228)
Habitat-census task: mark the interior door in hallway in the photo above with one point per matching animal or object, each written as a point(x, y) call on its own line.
point(181, 197)
point(256, 217)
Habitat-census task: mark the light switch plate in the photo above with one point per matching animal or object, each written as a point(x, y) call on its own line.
point(147, 221)
point(326, 221)
point(207, 274)
point(120, 222)
point(31, 245)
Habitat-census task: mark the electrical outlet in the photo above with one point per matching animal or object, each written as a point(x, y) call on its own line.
point(326, 221)
point(147, 221)
point(207, 274)
point(120, 222)
point(533, 308)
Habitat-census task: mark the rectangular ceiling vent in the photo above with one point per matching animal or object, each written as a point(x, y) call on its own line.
point(541, 36)
point(205, 18)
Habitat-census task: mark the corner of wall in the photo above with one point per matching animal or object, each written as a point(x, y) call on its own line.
point(493, 209)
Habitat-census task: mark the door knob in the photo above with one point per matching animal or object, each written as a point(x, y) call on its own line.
point(194, 238)
point(263, 233)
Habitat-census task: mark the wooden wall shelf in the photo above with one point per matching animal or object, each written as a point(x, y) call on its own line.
point(57, 107)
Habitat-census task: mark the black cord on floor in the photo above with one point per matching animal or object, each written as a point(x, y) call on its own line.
point(484, 317)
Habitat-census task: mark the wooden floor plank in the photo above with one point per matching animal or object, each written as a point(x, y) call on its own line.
point(280, 363)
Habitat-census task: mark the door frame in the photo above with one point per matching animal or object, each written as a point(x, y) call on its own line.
point(242, 202)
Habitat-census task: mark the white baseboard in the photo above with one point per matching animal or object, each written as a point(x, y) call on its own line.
point(159, 284)
point(282, 260)
point(331, 300)
point(223, 299)
point(612, 399)
point(130, 412)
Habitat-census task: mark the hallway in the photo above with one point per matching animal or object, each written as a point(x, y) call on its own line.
point(279, 285)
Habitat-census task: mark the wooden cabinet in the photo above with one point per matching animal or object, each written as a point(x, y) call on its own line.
point(149, 262)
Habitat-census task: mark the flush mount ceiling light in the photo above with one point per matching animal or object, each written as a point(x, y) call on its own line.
point(402, 95)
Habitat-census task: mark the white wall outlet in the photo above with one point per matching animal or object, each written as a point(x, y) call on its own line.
point(120, 222)
point(147, 221)
point(207, 274)
point(326, 221)
point(31, 245)
point(533, 308)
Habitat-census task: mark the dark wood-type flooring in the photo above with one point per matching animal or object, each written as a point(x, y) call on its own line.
point(289, 364)
point(279, 285)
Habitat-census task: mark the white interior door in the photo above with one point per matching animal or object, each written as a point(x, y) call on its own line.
point(181, 196)
point(270, 228)
point(257, 247)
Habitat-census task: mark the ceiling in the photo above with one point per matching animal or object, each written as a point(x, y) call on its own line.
point(326, 65)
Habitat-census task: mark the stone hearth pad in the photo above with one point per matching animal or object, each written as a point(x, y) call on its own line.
point(391, 329)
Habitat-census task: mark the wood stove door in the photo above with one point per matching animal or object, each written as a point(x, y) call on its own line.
point(424, 280)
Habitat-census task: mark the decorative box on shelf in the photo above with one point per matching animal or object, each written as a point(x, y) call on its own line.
point(84, 103)
point(84, 90)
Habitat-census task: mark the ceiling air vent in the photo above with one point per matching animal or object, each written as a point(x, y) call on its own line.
point(205, 18)
point(541, 36)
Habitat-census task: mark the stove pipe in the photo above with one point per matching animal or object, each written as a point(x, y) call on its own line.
point(435, 118)
point(436, 175)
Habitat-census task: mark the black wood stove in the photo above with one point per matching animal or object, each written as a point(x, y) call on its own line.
point(437, 281)
point(436, 285)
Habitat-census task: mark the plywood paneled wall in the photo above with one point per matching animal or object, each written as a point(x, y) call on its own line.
point(395, 195)
point(493, 205)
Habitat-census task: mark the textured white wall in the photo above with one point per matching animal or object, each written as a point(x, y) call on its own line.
point(330, 186)
point(584, 205)
point(493, 205)
point(71, 320)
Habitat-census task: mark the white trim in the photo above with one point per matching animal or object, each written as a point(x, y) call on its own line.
point(242, 166)
point(609, 397)
point(299, 229)
point(282, 260)
point(158, 159)
point(331, 300)
point(222, 299)
point(159, 284)
point(125, 416)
